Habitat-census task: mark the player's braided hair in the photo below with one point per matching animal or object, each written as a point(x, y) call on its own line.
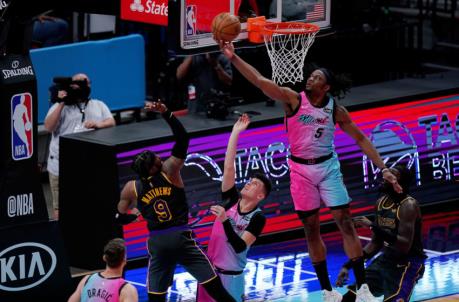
point(143, 162)
point(340, 84)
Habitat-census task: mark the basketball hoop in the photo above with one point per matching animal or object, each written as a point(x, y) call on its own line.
point(287, 44)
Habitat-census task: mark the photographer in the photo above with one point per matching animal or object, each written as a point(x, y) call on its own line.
point(73, 111)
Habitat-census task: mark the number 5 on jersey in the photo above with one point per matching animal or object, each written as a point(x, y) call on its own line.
point(319, 132)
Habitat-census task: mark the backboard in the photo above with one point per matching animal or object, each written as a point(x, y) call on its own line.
point(190, 20)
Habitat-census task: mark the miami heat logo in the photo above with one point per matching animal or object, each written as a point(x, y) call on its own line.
point(21, 126)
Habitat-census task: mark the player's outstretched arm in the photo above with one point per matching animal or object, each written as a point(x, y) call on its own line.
point(345, 122)
point(228, 168)
point(269, 88)
point(175, 162)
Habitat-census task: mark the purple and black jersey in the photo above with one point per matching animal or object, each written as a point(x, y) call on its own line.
point(162, 204)
point(387, 217)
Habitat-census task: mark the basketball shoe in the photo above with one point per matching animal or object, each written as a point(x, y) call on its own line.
point(331, 296)
point(364, 295)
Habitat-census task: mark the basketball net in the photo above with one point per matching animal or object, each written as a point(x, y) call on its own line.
point(288, 44)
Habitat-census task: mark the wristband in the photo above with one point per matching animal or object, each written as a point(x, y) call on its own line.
point(124, 219)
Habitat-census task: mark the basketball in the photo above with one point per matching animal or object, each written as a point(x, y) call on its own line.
point(226, 27)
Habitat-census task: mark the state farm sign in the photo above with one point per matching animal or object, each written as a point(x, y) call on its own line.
point(147, 11)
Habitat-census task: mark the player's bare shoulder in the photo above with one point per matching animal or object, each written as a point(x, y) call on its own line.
point(341, 114)
point(409, 201)
point(409, 207)
point(129, 293)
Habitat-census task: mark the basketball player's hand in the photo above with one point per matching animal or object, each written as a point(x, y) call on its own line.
point(155, 106)
point(241, 123)
point(219, 211)
point(362, 221)
point(392, 179)
point(343, 277)
point(227, 48)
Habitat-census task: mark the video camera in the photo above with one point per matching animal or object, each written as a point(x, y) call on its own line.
point(217, 103)
point(77, 91)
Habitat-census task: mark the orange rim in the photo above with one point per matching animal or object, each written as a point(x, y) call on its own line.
point(290, 28)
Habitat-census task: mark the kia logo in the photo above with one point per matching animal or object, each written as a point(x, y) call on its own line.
point(15, 64)
point(25, 265)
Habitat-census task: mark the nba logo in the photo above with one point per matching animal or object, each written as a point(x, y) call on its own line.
point(21, 126)
point(191, 20)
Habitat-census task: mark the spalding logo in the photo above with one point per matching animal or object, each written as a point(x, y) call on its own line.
point(25, 265)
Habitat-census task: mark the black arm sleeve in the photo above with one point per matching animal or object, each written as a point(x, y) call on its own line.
point(256, 224)
point(383, 234)
point(182, 139)
point(229, 198)
point(236, 242)
point(123, 219)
